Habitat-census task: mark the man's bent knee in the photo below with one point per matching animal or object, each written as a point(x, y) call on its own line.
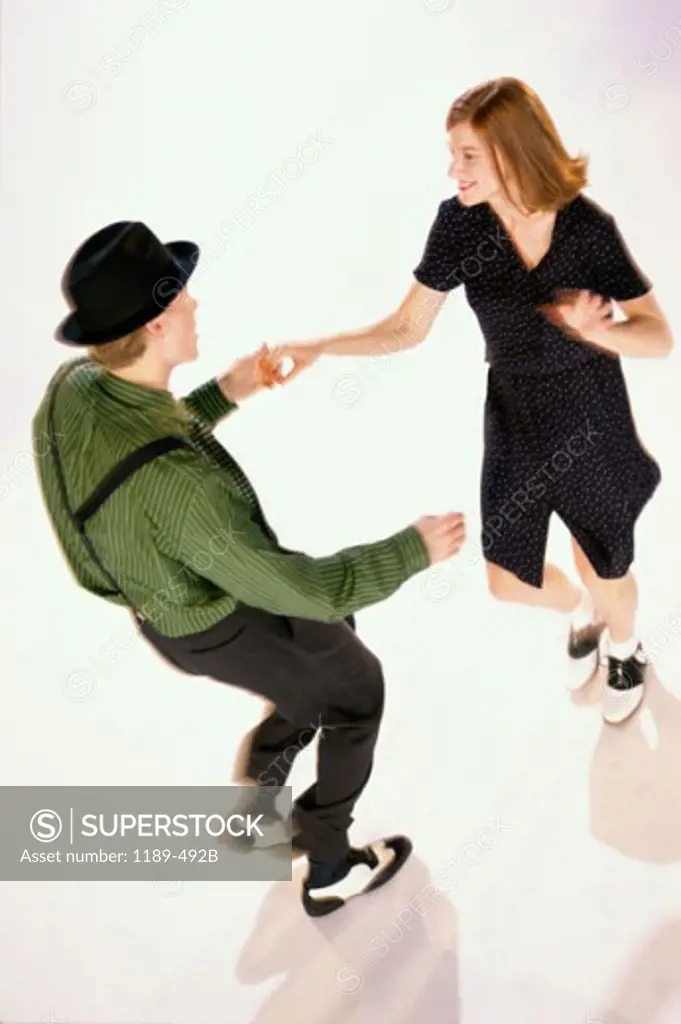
point(359, 703)
point(375, 689)
point(367, 694)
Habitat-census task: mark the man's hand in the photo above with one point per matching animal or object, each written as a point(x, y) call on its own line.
point(443, 535)
point(251, 374)
point(582, 315)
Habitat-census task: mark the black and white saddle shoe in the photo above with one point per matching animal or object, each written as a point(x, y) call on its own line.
point(363, 871)
point(625, 687)
point(583, 651)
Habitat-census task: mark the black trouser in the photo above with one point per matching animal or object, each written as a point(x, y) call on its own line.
point(319, 676)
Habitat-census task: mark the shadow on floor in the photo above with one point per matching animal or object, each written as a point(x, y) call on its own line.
point(390, 956)
point(634, 779)
point(652, 982)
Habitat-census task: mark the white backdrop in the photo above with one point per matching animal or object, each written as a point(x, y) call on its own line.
point(178, 113)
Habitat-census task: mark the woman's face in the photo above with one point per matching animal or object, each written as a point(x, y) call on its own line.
point(472, 167)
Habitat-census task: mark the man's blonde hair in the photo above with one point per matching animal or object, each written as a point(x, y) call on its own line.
point(116, 355)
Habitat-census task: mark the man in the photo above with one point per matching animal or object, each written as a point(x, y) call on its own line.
point(153, 513)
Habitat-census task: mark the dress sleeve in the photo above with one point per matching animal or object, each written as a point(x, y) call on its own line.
point(441, 263)
point(618, 275)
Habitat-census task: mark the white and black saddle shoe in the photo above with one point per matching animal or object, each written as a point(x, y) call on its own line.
point(363, 871)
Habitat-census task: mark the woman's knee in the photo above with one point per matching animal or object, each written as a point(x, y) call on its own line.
point(501, 584)
point(609, 585)
point(614, 591)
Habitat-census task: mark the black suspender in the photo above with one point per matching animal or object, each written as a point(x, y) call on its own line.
point(113, 480)
point(121, 472)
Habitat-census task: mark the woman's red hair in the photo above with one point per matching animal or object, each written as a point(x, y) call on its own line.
point(516, 127)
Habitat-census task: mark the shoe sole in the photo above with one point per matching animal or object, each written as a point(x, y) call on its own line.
point(321, 906)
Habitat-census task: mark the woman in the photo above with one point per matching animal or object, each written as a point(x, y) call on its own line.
point(540, 263)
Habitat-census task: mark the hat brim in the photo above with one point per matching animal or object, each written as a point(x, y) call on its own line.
point(185, 256)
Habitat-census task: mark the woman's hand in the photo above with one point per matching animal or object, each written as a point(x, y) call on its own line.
point(300, 355)
point(580, 314)
point(251, 374)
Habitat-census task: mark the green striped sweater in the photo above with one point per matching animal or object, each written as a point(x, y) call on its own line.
point(185, 537)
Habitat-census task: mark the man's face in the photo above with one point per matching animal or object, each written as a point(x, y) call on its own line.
point(178, 330)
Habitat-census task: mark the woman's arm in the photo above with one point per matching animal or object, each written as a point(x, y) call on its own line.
point(407, 327)
point(645, 334)
point(434, 278)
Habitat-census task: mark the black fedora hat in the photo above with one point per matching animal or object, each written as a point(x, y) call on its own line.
point(119, 279)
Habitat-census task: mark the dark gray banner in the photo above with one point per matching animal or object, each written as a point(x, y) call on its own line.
point(144, 833)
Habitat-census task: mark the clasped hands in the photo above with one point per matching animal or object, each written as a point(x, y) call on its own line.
point(266, 368)
point(582, 315)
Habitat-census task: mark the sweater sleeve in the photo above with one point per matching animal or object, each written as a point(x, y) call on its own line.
point(219, 536)
point(209, 403)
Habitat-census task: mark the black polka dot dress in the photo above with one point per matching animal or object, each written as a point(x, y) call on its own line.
point(559, 431)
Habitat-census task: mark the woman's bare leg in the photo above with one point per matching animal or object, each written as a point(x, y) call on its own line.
point(557, 592)
point(616, 600)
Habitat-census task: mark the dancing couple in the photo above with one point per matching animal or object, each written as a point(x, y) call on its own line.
point(152, 513)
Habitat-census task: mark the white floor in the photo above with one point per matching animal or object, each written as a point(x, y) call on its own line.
point(546, 879)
